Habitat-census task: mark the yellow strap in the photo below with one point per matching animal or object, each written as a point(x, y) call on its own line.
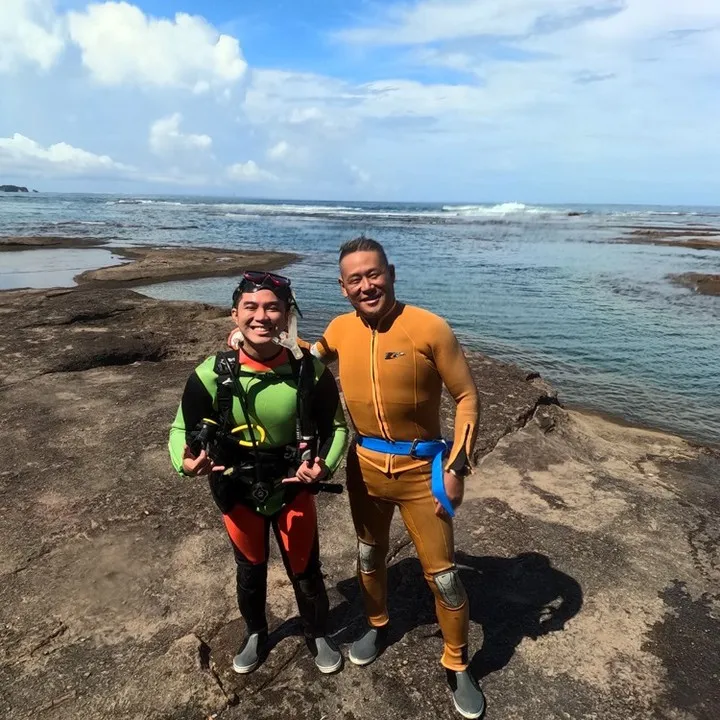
point(247, 443)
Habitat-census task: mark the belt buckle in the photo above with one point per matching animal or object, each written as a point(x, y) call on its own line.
point(413, 449)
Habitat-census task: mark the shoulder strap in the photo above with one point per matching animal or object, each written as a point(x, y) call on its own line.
point(225, 368)
point(304, 373)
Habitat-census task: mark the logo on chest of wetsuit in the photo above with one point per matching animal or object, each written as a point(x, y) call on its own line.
point(393, 355)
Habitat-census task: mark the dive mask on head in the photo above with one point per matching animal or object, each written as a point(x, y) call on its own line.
point(254, 280)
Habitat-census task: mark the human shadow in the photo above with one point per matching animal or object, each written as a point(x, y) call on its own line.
point(510, 598)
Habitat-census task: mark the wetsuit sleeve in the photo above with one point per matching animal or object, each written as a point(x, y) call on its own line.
point(455, 373)
point(196, 404)
point(326, 348)
point(329, 419)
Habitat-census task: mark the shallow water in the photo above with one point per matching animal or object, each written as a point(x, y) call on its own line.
point(43, 268)
point(531, 285)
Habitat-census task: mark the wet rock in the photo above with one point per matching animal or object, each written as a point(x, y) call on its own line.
point(704, 284)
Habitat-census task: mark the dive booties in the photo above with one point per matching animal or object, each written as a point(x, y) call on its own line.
point(251, 653)
point(468, 698)
point(366, 649)
point(326, 654)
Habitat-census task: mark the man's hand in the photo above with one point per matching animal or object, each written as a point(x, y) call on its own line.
point(309, 473)
point(454, 489)
point(200, 465)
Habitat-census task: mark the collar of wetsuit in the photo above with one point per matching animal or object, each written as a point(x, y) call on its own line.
point(386, 320)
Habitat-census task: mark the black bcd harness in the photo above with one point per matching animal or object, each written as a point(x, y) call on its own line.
point(259, 469)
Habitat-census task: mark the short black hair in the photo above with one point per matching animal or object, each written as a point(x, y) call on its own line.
point(363, 244)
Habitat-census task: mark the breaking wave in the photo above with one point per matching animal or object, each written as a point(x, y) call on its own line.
point(508, 208)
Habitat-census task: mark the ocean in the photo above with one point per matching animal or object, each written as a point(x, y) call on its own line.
point(550, 288)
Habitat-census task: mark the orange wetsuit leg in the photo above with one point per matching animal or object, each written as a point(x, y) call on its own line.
point(434, 544)
point(373, 496)
point(297, 532)
point(371, 516)
point(249, 533)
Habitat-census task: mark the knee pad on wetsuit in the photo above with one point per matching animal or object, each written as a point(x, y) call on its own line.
point(310, 583)
point(250, 577)
point(450, 588)
point(367, 557)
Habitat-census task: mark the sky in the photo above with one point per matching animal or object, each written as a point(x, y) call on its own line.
point(537, 101)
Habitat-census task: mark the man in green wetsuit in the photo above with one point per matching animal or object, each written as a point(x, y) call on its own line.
point(264, 404)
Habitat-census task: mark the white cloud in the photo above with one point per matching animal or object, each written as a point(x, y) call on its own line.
point(437, 20)
point(22, 155)
point(249, 172)
point(360, 176)
point(293, 156)
point(299, 116)
point(272, 98)
point(165, 137)
point(442, 21)
point(120, 44)
point(571, 95)
point(30, 32)
point(279, 151)
point(297, 99)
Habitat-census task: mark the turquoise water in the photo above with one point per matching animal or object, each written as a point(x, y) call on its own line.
point(538, 286)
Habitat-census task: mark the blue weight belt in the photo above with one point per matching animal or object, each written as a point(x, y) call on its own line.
point(434, 449)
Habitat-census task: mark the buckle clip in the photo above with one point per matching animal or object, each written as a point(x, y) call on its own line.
point(413, 449)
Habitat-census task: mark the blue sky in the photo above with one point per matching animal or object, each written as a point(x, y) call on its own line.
point(535, 101)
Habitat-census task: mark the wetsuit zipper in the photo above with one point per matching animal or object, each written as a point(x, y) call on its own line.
point(373, 379)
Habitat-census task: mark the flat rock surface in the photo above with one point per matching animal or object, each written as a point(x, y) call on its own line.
point(36, 242)
point(705, 284)
point(151, 264)
point(147, 265)
point(589, 550)
point(691, 236)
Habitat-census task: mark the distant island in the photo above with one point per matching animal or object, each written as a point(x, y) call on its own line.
point(14, 188)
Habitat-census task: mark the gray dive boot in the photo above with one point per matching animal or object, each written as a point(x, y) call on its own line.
point(252, 653)
point(366, 649)
point(326, 654)
point(468, 698)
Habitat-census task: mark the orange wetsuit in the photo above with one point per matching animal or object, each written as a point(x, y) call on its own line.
point(392, 378)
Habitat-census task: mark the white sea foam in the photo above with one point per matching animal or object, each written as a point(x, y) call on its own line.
point(267, 209)
point(139, 201)
point(507, 208)
point(259, 210)
point(77, 222)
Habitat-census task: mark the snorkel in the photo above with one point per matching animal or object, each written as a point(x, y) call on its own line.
point(289, 339)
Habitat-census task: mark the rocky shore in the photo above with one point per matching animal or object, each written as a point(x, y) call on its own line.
point(589, 549)
point(695, 237)
point(705, 284)
point(37, 242)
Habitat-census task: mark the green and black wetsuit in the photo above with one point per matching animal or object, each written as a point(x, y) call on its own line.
point(270, 393)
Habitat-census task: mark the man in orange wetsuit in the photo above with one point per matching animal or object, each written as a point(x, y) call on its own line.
point(393, 361)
